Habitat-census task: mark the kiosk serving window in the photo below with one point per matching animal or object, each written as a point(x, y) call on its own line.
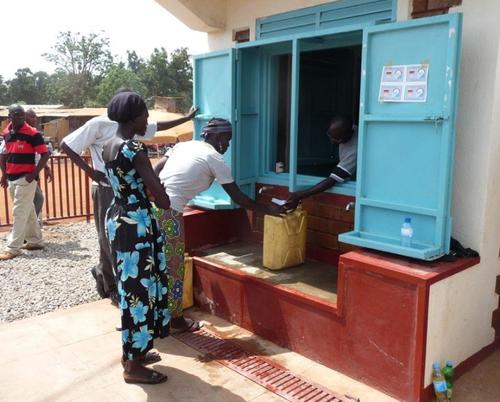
point(279, 94)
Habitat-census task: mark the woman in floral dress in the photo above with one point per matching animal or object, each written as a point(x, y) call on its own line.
point(135, 240)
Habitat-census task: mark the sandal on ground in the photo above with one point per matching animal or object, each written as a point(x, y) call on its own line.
point(150, 358)
point(7, 255)
point(190, 326)
point(31, 247)
point(148, 376)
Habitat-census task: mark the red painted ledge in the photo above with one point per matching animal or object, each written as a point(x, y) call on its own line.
point(407, 269)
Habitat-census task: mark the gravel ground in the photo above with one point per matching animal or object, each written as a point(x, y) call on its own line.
point(41, 281)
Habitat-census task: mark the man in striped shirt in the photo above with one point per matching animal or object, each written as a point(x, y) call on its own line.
point(19, 173)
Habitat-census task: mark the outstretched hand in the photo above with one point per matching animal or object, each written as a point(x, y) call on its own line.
point(192, 112)
point(274, 210)
point(291, 202)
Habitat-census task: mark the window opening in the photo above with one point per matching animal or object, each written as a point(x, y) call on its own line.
point(329, 85)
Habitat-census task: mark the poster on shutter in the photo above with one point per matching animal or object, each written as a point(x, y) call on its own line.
point(404, 83)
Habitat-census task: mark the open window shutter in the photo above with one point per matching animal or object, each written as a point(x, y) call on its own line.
point(214, 95)
point(248, 102)
point(405, 151)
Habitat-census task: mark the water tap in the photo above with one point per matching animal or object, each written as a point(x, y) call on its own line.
point(265, 188)
point(350, 206)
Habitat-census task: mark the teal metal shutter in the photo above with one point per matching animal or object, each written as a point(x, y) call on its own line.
point(247, 127)
point(214, 75)
point(329, 15)
point(405, 151)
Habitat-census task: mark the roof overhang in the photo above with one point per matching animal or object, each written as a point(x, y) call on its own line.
point(198, 14)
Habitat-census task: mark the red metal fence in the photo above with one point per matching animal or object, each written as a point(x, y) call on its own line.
point(66, 196)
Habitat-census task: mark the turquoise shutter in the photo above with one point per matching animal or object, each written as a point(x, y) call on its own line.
point(405, 151)
point(247, 116)
point(214, 95)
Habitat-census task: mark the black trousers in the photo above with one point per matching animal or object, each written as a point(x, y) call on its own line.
point(102, 197)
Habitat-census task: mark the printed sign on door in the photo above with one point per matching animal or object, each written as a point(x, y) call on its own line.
point(405, 83)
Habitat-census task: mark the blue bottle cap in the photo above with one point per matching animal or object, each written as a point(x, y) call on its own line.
point(449, 363)
point(407, 220)
point(436, 365)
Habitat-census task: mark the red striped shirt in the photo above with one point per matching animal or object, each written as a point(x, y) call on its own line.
point(20, 149)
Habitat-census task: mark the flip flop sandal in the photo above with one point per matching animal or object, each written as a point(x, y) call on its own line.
point(154, 378)
point(150, 358)
point(193, 326)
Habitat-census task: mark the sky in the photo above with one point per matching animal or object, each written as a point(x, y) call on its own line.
point(30, 27)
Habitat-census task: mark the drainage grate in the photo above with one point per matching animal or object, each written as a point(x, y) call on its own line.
point(259, 369)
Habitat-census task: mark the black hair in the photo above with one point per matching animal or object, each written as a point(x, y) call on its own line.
point(126, 106)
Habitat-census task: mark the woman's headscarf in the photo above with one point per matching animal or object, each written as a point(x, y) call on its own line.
point(126, 106)
point(216, 126)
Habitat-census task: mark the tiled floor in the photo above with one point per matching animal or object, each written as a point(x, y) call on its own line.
point(74, 355)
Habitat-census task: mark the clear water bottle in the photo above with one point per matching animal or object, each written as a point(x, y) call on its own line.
point(439, 383)
point(406, 233)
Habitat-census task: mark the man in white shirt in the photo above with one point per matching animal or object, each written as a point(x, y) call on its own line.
point(190, 168)
point(93, 135)
point(342, 132)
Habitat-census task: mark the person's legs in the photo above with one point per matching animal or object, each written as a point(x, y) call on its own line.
point(23, 210)
point(172, 225)
point(103, 272)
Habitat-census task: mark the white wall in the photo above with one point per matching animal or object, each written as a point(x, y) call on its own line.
point(460, 306)
point(243, 13)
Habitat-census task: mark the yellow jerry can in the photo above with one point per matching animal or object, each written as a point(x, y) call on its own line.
point(285, 239)
point(187, 295)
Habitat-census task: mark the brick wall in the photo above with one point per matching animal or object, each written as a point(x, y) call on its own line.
point(327, 218)
point(425, 8)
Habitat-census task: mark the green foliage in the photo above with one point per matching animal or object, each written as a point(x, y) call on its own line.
point(118, 77)
point(4, 92)
point(87, 76)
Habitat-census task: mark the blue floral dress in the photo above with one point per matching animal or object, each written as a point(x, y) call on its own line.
point(138, 260)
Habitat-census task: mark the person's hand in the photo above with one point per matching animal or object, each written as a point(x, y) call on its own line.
point(291, 202)
point(98, 177)
point(48, 173)
point(192, 112)
point(30, 177)
point(274, 210)
point(3, 181)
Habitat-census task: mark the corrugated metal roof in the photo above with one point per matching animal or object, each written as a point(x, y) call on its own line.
point(184, 131)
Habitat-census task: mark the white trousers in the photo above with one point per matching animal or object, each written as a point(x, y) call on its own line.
point(25, 225)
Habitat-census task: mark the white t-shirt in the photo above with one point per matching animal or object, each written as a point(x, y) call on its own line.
point(190, 169)
point(94, 134)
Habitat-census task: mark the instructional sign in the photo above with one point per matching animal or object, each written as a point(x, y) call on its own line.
point(405, 83)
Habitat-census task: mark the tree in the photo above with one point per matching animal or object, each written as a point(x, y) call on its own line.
point(135, 63)
point(4, 95)
point(81, 55)
point(118, 77)
point(156, 75)
point(169, 76)
point(181, 77)
point(27, 87)
point(83, 60)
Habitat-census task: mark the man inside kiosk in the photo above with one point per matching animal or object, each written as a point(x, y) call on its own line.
point(342, 132)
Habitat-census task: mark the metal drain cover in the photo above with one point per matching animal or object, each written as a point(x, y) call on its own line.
point(259, 369)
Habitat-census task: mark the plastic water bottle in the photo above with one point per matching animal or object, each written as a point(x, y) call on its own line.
point(448, 372)
point(406, 233)
point(439, 383)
